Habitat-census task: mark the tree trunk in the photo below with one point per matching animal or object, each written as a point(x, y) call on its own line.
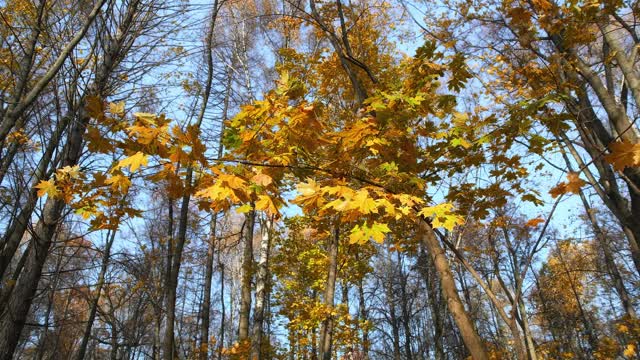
point(406, 313)
point(393, 317)
point(94, 302)
point(247, 274)
point(470, 337)
point(223, 308)
point(262, 279)
point(326, 329)
point(363, 319)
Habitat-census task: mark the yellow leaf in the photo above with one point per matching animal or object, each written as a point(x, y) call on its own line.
point(308, 188)
point(437, 210)
point(363, 203)
point(147, 118)
point(118, 183)
point(232, 181)
point(340, 204)
point(448, 222)
point(243, 209)
point(134, 161)
point(72, 172)
point(362, 234)
point(623, 154)
point(86, 212)
point(265, 204)
point(630, 350)
point(117, 108)
point(623, 329)
point(442, 216)
point(47, 187)
point(216, 192)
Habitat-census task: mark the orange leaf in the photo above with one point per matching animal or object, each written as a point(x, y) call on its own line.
point(573, 186)
point(575, 183)
point(262, 179)
point(534, 222)
point(623, 154)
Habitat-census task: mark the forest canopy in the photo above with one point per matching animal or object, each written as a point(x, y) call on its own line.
point(319, 179)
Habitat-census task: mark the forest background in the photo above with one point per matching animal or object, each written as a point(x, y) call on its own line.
point(321, 179)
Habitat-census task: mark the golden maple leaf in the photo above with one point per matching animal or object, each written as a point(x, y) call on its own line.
point(623, 154)
point(266, 204)
point(47, 187)
point(134, 161)
point(573, 185)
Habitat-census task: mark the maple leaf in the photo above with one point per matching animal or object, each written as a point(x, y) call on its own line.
point(117, 108)
point(437, 210)
point(339, 204)
point(95, 107)
point(362, 234)
point(265, 204)
point(86, 212)
point(630, 350)
point(118, 183)
point(72, 172)
point(573, 185)
point(262, 179)
point(217, 192)
point(623, 154)
point(134, 161)
point(558, 190)
point(232, 181)
point(308, 188)
point(442, 216)
point(47, 187)
point(147, 118)
point(449, 221)
point(96, 142)
point(363, 203)
point(243, 209)
point(534, 222)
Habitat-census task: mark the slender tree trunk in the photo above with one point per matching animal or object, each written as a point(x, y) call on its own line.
point(47, 314)
point(262, 278)
point(247, 274)
point(326, 329)
point(157, 330)
point(390, 299)
point(19, 224)
point(170, 349)
point(206, 302)
point(406, 313)
point(363, 319)
point(470, 337)
point(223, 319)
point(435, 305)
point(94, 302)
point(206, 296)
point(526, 329)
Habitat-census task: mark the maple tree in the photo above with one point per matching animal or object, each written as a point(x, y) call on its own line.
point(319, 179)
